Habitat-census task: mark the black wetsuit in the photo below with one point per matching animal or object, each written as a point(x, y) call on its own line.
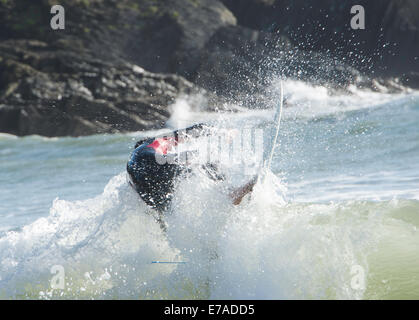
point(154, 179)
point(154, 182)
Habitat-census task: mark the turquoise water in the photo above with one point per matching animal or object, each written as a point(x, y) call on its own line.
point(36, 170)
point(344, 194)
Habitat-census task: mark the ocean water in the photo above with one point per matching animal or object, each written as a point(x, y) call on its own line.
point(337, 218)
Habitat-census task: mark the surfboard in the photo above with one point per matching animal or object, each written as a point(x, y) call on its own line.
point(271, 145)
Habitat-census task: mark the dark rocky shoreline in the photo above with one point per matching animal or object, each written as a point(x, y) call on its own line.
point(60, 93)
point(119, 65)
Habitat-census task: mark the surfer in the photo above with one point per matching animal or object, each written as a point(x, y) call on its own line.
point(153, 176)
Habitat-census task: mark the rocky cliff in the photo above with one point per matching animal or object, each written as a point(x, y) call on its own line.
point(119, 64)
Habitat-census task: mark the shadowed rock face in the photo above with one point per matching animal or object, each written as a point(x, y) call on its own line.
point(56, 93)
point(241, 64)
point(89, 79)
point(86, 79)
point(388, 46)
point(175, 40)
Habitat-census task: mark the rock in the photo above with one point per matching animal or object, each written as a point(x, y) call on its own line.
point(389, 45)
point(57, 93)
point(90, 78)
point(174, 41)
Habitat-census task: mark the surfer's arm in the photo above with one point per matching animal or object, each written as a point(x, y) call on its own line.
point(195, 131)
point(180, 135)
point(238, 194)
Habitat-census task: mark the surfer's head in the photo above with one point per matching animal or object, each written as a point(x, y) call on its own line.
point(140, 142)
